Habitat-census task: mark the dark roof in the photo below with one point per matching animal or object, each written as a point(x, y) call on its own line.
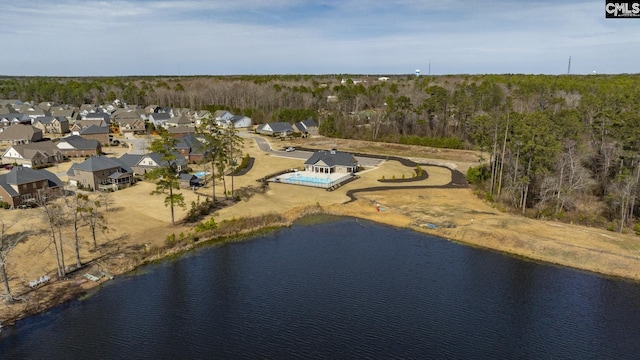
point(97, 163)
point(187, 177)
point(280, 126)
point(93, 129)
point(332, 158)
point(130, 159)
point(80, 143)
point(43, 120)
point(22, 175)
point(303, 126)
point(161, 116)
point(309, 123)
point(189, 141)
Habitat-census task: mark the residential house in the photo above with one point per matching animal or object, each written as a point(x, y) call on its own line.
point(142, 164)
point(241, 121)
point(100, 173)
point(23, 186)
point(128, 127)
point(99, 133)
point(11, 102)
point(47, 105)
point(20, 134)
point(33, 112)
point(180, 131)
point(68, 112)
point(222, 115)
point(159, 119)
point(197, 116)
point(6, 108)
point(151, 109)
point(81, 124)
point(224, 119)
point(52, 125)
point(275, 129)
point(181, 120)
point(127, 113)
point(77, 146)
point(331, 161)
point(35, 154)
point(190, 148)
point(86, 108)
point(11, 119)
point(97, 117)
point(306, 127)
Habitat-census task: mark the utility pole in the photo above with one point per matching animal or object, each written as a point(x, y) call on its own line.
point(569, 67)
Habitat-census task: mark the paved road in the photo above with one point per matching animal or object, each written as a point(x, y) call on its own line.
point(264, 145)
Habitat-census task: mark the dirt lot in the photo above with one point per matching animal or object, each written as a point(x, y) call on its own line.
point(139, 222)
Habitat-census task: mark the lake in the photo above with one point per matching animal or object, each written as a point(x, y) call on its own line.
point(343, 288)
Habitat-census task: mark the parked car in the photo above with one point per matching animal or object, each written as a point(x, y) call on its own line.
point(290, 149)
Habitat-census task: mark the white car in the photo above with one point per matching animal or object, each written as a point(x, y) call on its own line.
point(290, 149)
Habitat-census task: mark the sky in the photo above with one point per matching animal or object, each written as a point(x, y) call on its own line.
point(255, 37)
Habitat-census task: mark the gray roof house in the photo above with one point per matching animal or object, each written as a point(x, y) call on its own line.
point(76, 145)
point(141, 164)
point(97, 116)
point(190, 148)
point(306, 127)
point(159, 119)
point(100, 173)
point(275, 129)
point(23, 186)
point(11, 119)
point(331, 161)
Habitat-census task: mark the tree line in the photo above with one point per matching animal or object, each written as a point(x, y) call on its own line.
point(559, 146)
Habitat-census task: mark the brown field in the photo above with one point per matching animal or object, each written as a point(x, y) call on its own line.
point(139, 223)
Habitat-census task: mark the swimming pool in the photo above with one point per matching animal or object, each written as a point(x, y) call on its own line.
point(312, 179)
point(201, 174)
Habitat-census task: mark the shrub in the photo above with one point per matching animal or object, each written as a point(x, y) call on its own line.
point(477, 175)
point(171, 239)
point(206, 225)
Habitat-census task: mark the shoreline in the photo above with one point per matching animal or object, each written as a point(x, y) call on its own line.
point(86, 288)
point(456, 212)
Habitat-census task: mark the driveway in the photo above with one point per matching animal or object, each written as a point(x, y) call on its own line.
point(139, 146)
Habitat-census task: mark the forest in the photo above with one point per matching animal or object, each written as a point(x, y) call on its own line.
point(563, 147)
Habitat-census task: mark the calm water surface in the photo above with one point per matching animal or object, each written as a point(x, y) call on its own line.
point(342, 289)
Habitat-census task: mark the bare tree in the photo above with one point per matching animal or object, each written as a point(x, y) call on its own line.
point(77, 206)
point(8, 242)
point(54, 215)
point(95, 220)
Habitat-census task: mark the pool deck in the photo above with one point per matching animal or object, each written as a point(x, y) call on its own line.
point(324, 180)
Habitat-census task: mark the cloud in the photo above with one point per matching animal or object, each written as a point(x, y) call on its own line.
point(146, 37)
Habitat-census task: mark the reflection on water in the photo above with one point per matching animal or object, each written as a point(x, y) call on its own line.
point(342, 289)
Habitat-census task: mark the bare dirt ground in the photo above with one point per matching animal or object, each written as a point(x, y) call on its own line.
point(139, 222)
